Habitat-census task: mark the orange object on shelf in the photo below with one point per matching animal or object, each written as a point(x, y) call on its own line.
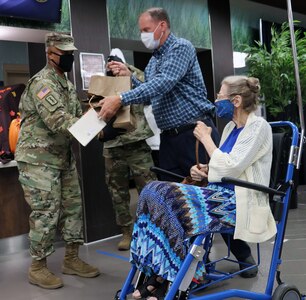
point(13, 133)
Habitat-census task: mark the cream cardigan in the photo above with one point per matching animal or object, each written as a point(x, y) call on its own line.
point(250, 160)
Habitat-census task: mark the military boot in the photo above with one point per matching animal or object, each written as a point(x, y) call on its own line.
point(41, 276)
point(73, 265)
point(125, 242)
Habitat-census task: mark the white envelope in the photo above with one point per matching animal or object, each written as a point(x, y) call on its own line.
point(87, 127)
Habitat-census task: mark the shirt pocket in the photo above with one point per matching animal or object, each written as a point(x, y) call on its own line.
point(259, 219)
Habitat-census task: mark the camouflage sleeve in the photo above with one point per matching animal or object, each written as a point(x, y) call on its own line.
point(139, 74)
point(74, 96)
point(79, 110)
point(52, 106)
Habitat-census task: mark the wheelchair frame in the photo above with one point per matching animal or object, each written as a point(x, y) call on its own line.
point(203, 242)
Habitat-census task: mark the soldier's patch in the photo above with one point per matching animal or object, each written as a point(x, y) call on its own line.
point(51, 100)
point(43, 93)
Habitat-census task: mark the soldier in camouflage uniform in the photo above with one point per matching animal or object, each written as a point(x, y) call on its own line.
point(127, 154)
point(47, 168)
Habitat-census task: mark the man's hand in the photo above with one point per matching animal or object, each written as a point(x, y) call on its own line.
point(118, 68)
point(110, 106)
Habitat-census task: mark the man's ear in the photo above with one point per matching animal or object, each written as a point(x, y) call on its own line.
point(163, 25)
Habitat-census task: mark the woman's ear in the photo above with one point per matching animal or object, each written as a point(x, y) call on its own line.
point(237, 101)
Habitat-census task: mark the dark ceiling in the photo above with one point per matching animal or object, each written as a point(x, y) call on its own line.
point(298, 6)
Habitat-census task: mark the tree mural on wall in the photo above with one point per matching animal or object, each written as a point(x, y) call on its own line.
point(242, 33)
point(189, 19)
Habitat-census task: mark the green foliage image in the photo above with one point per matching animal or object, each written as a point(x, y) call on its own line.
point(275, 68)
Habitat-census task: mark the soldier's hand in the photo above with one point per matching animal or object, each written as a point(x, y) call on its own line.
point(109, 132)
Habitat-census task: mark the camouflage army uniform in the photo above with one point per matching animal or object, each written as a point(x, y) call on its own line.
point(127, 155)
point(47, 169)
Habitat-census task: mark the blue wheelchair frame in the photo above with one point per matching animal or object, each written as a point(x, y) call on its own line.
point(202, 242)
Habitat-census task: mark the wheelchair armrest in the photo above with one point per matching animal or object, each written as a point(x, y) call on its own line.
point(253, 186)
point(163, 171)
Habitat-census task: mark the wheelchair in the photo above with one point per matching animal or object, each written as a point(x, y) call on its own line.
point(285, 153)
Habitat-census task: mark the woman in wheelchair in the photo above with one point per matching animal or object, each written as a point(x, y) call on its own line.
point(170, 214)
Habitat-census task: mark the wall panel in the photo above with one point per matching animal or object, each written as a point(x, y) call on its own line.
point(90, 31)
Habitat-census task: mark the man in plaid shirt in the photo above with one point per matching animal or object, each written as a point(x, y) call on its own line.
point(174, 86)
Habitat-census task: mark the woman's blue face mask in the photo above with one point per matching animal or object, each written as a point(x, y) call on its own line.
point(225, 109)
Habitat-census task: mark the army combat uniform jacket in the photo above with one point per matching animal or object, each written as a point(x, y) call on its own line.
point(142, 131)
point(49, 106)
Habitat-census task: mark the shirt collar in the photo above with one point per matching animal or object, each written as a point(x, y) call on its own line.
point(169, 41)
point(61, 79)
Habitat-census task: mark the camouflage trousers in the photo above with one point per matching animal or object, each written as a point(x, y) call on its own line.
point(121, 163)
point(55, 200)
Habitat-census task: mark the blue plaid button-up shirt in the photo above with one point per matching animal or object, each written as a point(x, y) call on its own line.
point(173, 85)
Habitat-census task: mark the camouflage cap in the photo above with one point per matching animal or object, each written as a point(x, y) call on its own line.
point(61, 41)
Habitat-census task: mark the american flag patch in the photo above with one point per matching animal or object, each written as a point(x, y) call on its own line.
point(43, 93)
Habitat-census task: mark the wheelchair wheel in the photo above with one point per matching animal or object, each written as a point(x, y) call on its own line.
point(117, 296)
point(286, 292)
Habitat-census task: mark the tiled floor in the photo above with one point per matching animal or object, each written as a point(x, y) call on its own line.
point(14, 262)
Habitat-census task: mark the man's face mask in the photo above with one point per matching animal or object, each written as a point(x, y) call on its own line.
point(65, 62)
point(148, 39)
point(225, 109)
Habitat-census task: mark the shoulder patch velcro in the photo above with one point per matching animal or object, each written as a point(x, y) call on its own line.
point(43, 92)
point(51, 100)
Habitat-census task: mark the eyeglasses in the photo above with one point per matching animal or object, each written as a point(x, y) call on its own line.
point(221, 96)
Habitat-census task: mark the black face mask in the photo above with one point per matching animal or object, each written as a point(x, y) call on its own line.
point(66, 61)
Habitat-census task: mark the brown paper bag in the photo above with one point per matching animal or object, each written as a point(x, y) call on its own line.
point(109, 86)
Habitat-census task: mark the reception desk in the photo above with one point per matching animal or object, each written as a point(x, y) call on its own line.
point(14, 211)
point(99, 217)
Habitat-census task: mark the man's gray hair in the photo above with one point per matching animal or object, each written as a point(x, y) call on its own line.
point(158, 14)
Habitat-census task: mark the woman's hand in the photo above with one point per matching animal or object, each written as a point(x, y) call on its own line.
point(198, 174)
point(201, 131)
point(118, 68)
